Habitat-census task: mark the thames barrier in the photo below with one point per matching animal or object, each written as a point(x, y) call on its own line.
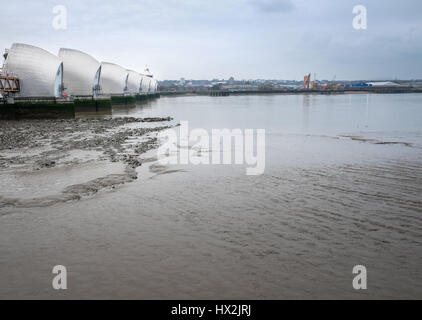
point(35, 83)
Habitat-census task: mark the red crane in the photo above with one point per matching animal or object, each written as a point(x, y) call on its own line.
point(307, 81)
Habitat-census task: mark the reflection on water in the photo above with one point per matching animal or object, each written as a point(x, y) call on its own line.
point(342, 188)
point(306, 107)
point(131, 109)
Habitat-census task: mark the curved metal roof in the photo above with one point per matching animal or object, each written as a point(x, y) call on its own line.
point(134, 82)
point(146, 84)
point(40, 72)
point(114, 78)
point(81, 74)
point(155, 87)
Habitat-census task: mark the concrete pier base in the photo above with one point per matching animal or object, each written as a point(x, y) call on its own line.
point(50, 108)
point(123, 99)
point(37, 110)
point(141, 97)
point(147, 96)
point(92, 105)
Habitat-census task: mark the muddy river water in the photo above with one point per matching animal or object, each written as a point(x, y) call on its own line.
point(342, 187)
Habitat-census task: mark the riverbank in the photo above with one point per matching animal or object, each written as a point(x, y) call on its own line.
point(366, 90)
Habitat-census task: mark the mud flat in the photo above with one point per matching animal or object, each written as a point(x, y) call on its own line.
point(70, 159)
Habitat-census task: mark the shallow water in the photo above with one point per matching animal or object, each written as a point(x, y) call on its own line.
point(341, 188)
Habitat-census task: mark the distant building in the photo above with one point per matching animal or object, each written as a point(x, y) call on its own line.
point(375, 84)
point(383, 84)
point(359, 85)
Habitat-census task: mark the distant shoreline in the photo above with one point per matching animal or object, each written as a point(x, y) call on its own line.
point(384, 90)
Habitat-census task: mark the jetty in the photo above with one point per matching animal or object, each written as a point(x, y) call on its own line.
point(299, 91)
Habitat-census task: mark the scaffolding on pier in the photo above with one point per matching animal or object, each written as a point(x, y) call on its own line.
point(9, 84)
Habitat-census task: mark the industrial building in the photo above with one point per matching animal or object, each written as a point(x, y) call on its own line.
point(40, 72)
point(82, 73)
point(383, 84)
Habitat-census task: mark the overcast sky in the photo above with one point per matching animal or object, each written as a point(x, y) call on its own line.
point(195, 39)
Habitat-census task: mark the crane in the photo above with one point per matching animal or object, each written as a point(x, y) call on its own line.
point(307, 81)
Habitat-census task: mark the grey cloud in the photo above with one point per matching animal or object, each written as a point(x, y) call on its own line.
point(273, 5)
point(223, 38)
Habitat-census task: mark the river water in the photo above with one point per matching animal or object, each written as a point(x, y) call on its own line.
point(342, 187)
